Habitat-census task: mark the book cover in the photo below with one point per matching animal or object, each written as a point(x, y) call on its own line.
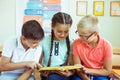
point(60, 68)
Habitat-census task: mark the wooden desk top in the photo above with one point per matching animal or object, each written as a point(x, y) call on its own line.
point(116, 72)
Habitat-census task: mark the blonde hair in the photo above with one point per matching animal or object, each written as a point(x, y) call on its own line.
point(89, 22)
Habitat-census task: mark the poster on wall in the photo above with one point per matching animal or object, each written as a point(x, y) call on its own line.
point(81, 8)
point(40, 10)
point(98, 8)
point(115, 8)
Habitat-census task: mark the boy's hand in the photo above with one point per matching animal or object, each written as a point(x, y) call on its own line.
point(39, 66)
point(31, 64)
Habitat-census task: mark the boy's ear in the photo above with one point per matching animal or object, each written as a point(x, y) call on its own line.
point(96, 33)
point(23, 37)
point(51, 26)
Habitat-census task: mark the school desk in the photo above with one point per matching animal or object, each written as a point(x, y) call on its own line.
point(116, 74)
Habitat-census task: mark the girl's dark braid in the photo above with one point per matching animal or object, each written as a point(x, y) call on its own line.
point(68, 45)
point(51, 47)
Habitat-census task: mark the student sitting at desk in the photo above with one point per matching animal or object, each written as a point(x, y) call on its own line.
point(21, 55)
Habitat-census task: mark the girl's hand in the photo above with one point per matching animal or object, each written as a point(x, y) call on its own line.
point(64, 73)
point(45, 73)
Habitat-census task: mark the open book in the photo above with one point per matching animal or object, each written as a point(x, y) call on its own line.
point(60, 68)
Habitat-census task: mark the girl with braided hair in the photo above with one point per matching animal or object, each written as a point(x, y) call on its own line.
point(56, 47)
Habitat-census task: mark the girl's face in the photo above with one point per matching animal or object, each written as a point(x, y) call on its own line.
point(61, 31)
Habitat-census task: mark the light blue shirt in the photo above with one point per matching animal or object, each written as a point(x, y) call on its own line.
point(59, 52)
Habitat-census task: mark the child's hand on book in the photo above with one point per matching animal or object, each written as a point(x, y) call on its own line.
point(79, 69)
point(64, 73)
point(45, 73)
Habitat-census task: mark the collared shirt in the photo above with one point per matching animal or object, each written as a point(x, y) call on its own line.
point(14, 49)
point(93, 58)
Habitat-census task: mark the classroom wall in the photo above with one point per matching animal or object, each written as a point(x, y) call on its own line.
point(109, 26)
point(7, 19)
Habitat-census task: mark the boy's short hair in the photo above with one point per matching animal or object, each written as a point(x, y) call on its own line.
point(32, 30)
point(89, 22)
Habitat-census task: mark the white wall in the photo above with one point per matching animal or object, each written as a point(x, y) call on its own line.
point(7, 19)
point(110, 26)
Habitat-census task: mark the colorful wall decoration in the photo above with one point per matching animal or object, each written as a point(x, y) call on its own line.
point(40, 10)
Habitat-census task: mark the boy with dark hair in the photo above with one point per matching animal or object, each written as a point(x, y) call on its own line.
point(21, 54)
